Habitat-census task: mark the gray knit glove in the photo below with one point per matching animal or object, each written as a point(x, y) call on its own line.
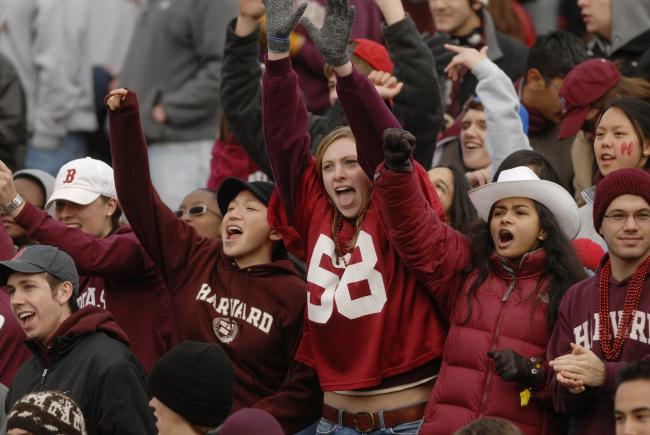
point(280, 21)
point(332, 40)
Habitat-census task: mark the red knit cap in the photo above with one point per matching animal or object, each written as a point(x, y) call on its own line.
point(631, 181)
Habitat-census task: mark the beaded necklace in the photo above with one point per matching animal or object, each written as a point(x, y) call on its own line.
point(337, 229)
point(632, 297)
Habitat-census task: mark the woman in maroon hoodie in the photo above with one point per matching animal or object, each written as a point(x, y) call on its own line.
point(500, 287)
point(238, 291)
point(115, 271)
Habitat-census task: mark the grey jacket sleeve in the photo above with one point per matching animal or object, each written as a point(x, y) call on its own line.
point(418, 107)
point(505, 131)
point(195, 99)
point(13, 113)
point(58, 49)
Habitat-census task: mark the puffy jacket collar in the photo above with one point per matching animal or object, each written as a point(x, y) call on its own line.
point(81, 323)
point(531, 264)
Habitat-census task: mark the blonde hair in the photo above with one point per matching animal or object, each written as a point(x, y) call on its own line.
point(323, 146)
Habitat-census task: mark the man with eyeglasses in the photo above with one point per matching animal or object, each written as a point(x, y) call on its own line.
point(604, 321)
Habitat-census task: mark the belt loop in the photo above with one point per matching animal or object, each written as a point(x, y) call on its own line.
point(340, 422)
point(380, 413)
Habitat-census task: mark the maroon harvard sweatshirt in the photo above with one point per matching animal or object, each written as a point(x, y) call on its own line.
point(578, 323)
point(256, 313)
point(115, 273)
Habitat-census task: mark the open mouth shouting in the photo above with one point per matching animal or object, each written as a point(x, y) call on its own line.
point(345, 195)
point(25, 318)
point(505, 239)
point(233, 232)
point(470, 145)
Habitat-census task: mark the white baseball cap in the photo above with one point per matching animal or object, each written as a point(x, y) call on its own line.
point(82, 181)
point(523, 182)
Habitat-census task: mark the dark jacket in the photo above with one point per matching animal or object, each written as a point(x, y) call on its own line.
point(418, 107)
point(629, 46)
point(89, 360)
point(508, 312)
point(506, 52)
point(255, 314)
point(115, 273)
point(13, 113)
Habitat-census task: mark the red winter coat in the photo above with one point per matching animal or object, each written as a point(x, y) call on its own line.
point(507, 313)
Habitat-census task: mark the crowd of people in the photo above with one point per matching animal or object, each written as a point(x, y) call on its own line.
point(325, 217)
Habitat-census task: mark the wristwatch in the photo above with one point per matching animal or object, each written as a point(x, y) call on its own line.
point(13, 205)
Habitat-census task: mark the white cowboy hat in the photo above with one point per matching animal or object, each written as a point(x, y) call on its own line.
point(523, 182)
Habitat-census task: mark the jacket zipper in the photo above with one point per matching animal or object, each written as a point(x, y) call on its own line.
point(43, 379)
point(497, 332)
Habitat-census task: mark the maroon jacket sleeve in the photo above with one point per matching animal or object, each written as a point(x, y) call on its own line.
point(6, 245)
point(285, 122)
point(299, 401)
point(433, 250)
point(92, 255)
point(171, 243)
point(368, 116)
point(559, 344)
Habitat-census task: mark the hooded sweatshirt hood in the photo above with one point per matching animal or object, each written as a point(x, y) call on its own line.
point(630, 18)
point(86, 321)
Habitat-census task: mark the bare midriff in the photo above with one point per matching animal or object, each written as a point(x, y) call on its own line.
point(375, 402)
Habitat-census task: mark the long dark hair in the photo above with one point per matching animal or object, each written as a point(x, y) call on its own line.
point(462, 211)
point(561, 269)
point(534, 160)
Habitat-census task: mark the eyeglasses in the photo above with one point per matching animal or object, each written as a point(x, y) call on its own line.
point(197, 210)
point(638, 216)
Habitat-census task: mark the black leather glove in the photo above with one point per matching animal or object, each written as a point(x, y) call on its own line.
point(398, 149)
point(513, 367)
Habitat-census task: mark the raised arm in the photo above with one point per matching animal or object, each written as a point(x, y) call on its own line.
point(241, 74)
point(110, 257)
point(434, 251)
point(285, 116)
point(367, 114)
point(418, 106)
point(505, 131)
point(171, 243)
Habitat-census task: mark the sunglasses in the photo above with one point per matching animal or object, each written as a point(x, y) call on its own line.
point(197, 210)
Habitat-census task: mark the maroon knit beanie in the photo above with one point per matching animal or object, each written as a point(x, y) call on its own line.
point(631, 181)
point(251, 421)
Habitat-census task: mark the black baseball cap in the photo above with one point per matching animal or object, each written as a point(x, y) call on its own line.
point(38, 259)
point(231, 187)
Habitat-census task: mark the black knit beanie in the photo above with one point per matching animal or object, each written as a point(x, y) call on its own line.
point(47, 413)
point(195, 380)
